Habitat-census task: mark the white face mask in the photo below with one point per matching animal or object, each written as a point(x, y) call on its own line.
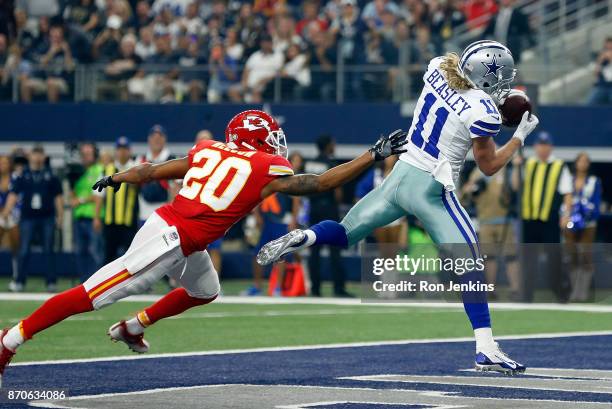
point(277, 140)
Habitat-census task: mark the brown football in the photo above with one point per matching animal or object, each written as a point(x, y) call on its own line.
point(513, 107)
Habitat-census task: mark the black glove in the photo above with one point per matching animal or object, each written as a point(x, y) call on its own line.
point(389, 145)
point(106, 181)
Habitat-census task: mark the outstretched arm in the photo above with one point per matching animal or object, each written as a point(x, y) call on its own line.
point(146, 172)
point(300, 185)
point(307, 184)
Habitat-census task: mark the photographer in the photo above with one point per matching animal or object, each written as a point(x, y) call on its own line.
point(494, 198)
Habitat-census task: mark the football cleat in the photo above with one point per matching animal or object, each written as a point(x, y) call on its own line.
point(494, 359)
point(275, 249)
point(5, 355)
point(137, 343)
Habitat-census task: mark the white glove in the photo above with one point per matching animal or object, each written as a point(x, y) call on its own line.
point(527, 125)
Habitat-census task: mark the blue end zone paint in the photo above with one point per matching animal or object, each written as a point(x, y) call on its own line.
point(323, 367)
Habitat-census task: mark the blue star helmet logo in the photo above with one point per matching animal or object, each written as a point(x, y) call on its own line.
point(492, 67)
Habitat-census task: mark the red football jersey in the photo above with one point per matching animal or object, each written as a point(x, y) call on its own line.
point(221, 186)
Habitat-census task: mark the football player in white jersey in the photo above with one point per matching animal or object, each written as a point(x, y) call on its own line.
point(456, 112)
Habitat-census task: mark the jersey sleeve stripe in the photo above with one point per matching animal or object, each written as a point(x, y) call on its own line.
point(480, 132)
point(486, 125)
point(277, 170)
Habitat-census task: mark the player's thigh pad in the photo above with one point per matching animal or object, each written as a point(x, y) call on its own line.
point(376, 209)
point(198, 277)
point(145, 262)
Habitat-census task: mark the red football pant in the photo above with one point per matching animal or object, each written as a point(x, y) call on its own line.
point(173, 303)
point(56, 309)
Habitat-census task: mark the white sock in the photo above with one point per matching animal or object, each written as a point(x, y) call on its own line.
point(13, 338)
point(311, 237)
point(134, 326)
point(484, 338)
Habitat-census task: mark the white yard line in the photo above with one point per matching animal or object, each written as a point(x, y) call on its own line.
point(309, 347)
point(342, 301)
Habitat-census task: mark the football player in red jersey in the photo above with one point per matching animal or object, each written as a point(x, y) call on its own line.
point(221, 184)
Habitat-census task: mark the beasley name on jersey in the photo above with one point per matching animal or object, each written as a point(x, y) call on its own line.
point(221, 186)
point(445, 121)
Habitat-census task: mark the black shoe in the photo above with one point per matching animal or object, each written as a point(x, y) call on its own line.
point(343, 294)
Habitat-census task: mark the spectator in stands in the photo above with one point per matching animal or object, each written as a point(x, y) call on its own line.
point(233, 47)
point(322, 62)
point(143, 16)
point(106, 45)
point(602, 91)
point(83, 13)
point(445, 18)
point(268, 8)
point(310, 15)
point(580, 231)
point(478, 13)
point(546, 186)
point(87, 244)
point(155, 193)
point(9, 225)
point(295, 74)
point(249, 27)
point(190, 60)
point(56, 68)
point(40, 193)
point(223, 70)
point(349, 31)
point(145, 47)
point(119, 70)
point(373, 12)
point(284, 34)
point(192, 23)
point(511, 27)
point(117, 210)
point(325, 206)
point(260, 69)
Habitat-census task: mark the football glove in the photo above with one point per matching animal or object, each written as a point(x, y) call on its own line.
point(527, 125)
point(106, 181)
point(389, 145)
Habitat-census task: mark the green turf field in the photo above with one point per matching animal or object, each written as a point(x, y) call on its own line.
point(230, 326)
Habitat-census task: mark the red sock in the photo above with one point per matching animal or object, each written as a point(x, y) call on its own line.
point(56, 309)
point(173, 303)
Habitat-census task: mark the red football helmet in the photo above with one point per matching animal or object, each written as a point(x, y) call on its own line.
point(256, 130)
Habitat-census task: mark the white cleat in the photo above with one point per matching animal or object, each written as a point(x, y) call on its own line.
point(494, 359)
point(275, 249)
point(137, 343)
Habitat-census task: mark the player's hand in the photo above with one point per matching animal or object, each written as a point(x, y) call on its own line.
point(527, 125)
point(106, 181)
point(389, 145)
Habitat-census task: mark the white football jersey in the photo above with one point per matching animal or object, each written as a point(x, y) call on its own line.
point(445, 121)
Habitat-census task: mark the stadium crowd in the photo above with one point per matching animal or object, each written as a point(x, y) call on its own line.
point(229, 50)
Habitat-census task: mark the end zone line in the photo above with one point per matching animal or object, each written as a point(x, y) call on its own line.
point(309, 347)
point(341, 302)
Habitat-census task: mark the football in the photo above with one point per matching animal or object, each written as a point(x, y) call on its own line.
point(513, 106)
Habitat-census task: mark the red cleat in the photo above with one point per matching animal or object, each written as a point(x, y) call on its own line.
point(137, 343)
point(5, 354)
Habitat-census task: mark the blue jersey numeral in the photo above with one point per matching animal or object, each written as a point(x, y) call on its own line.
point(489, 106)
point(441, 115)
